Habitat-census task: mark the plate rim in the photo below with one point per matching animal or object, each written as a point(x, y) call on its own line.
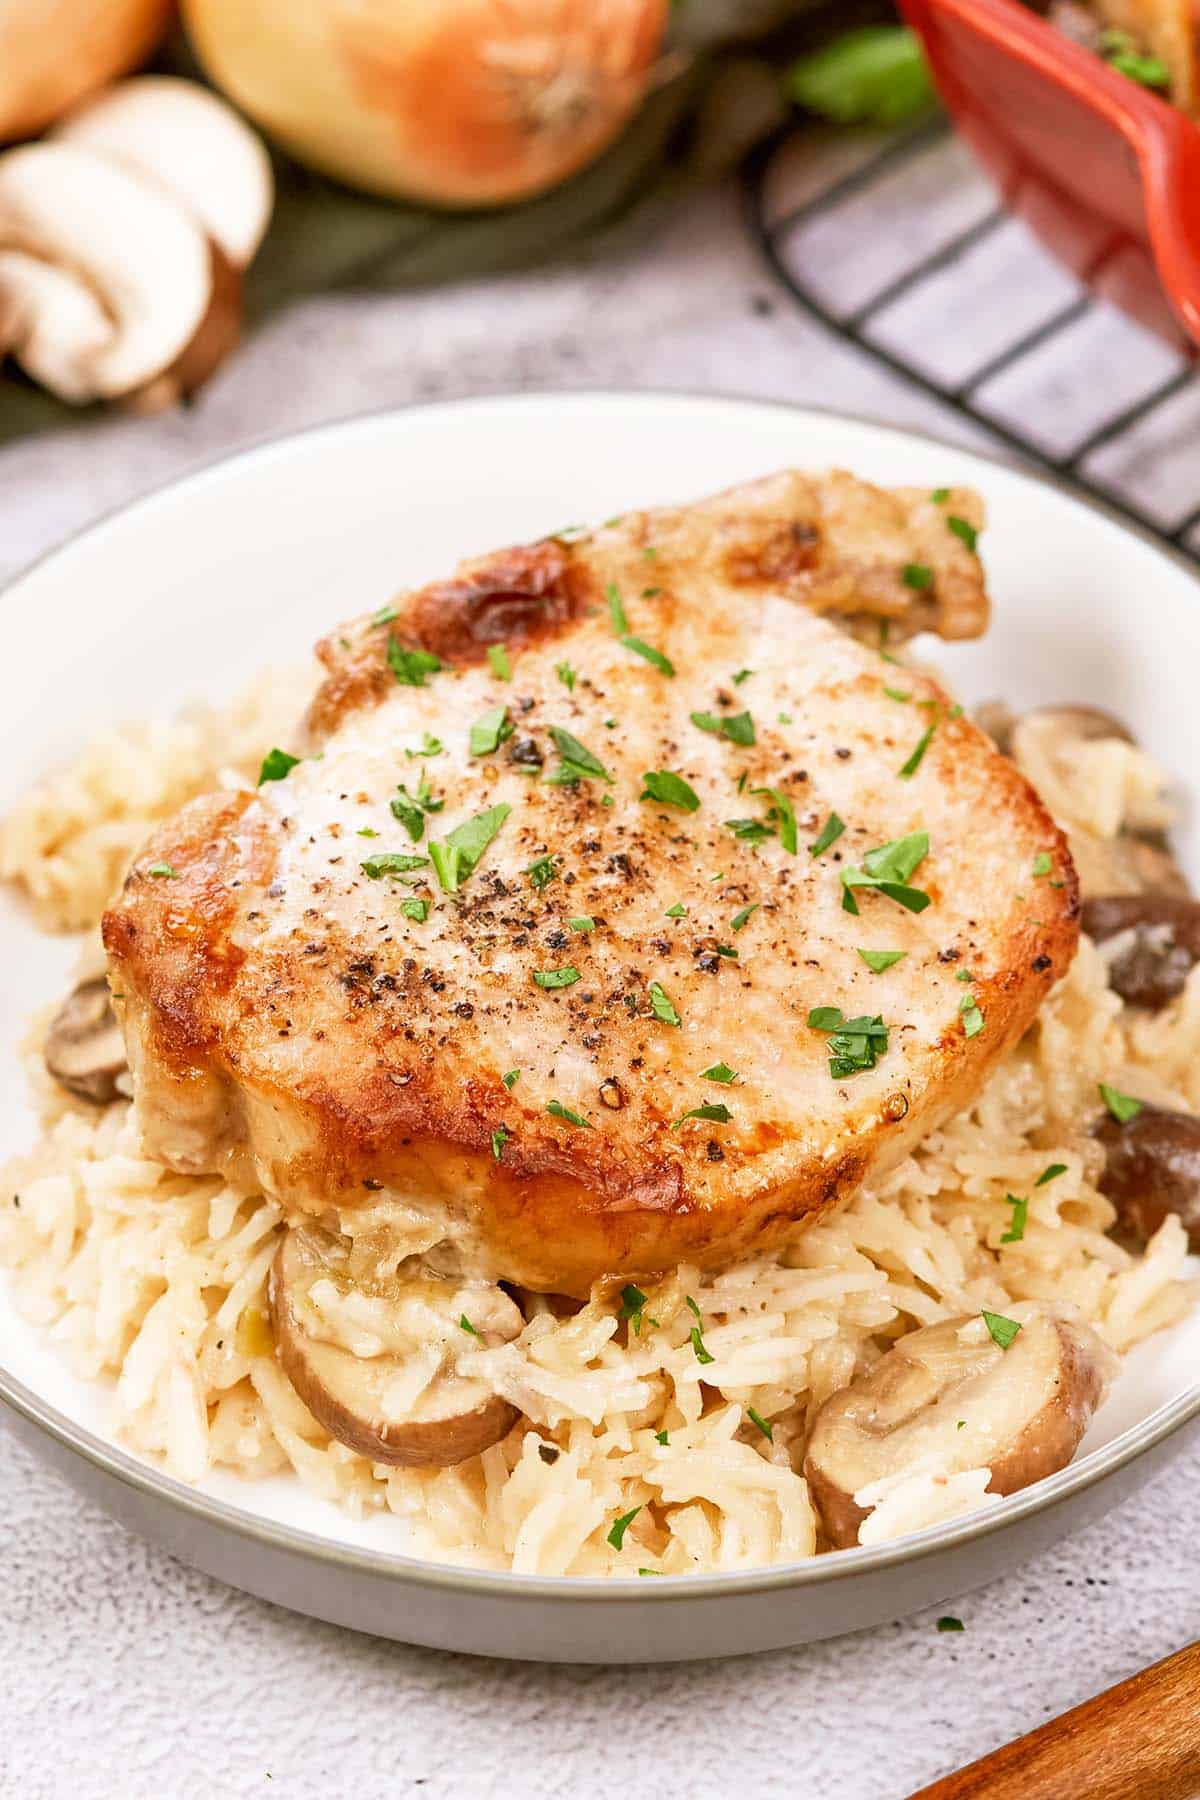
point(394, 1565)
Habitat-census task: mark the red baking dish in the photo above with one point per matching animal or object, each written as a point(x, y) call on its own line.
point(1104, 171)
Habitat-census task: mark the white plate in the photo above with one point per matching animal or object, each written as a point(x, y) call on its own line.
point(189, 592)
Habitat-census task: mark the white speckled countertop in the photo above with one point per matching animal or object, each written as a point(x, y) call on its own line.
point(123, 1674)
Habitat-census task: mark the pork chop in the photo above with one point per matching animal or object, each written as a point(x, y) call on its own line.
point(623, 911)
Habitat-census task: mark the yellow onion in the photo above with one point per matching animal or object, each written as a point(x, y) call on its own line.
point(455, 102)
point(54, 53)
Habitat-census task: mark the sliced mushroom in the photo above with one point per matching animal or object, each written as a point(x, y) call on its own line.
point(1152, 1169)
point(379, 1369)
point(946, 1399)
point(84, 1050)
point(1086, 723)
point(1155, 941)
point(183, 138)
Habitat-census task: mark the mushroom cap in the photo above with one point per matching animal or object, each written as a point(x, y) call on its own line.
point(84, 1050)
point(359, 1363)
point(1023, 1411)
point(147, 263)
point(186, 140)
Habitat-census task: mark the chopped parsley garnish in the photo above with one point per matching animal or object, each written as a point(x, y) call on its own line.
point(918, 576)
point(963, 530)
point(854, 1044)
point(702, 1355)
point(559, 1111)
point(391, 862)
point(410, 667)
point(888, 868)
point(879, 960)
point(1121, 52)
point(582, 922)
point(638, 645)
point(662, 1437)
point(275, 765)
point(163, 871)
point(463, 848)
point(649, 593)
point(669, 789)
point(757, 1419)
point(1043, 862)
point(464, 1324)
point(366, 831)
point(430, 746)
point(738, 727)
point(500, 1137)
point(743, 917)
point(750, 831)
point(831, 831)
point(721, 1072)
point(616, 1536)
point(964, 975)
point(541, 873)
point(1020, 1217)
point(633, 1304)
point(726, 950)
point(972, 1018)
point(913, 762)
point(410, 809)
point(616, 609)
point(511, 1079)
point(741, 675)
point(490, 730)
point(662, 1006)
point(578, 763)
point(939, 496)
point(901, 694)
point(497, 656)
point(782, 813)
point(716, 1115)
point(678, 911)
point(566, 675)
point(385, 615)
point(1123, 1107)
point(1002, 1331)
point(1050, 1173)
point(415, 909)
point(948, 1622)
point(567, 976)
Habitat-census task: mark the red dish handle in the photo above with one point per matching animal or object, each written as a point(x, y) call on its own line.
point(1106, 172)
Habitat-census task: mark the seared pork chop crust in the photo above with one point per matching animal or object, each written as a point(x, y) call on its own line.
point(513, 1060)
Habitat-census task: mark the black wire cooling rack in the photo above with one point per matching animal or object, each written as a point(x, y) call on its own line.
point(935, 244)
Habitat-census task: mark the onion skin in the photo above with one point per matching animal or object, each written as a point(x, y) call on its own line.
point(54, 53)
point(454, 102)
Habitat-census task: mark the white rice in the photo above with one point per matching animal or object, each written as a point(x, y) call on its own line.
point(154, 1284)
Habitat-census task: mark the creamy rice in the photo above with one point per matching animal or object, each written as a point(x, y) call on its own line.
point(155, 1282)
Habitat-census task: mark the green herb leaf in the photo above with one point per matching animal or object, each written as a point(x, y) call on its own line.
point(392, 863)
point(1043, 862)
point(854, 1044)
point(415, 909)
point(742, 675)
point(1020, 1217)
point(566, 675)
point(616, 1536)
point(511, 1079)
point(490, 730)
point(276, 764)
point(163, 871)
point(909, 768)
point(1002, 1331)
point(950, 1624)
point(743, 917)
point(577, 760)
point(662, 1437)
point(782, 813)
point(716, 1115)
point(939, 496)
point(385, 615)
point(464, 1324)
point(879, 960)
point(662, 1006)
point(567, 976)
point(756, 1418)
point(582, 923)
point(702, 1355)
point(410, 667)
point(559, 1111)
point(1123, 1107)
point(721, 1072)
point(918, 576)
point(497, 655)
point(463, 848)
point(541, 873)
point(876, 75)
point(972, 1018)
point(750, 831)
point(737, 727)
point(500, 1137)
point(1050, 1173)
point(430, 746)
point(900, 694)
point(888, 868)
point(616, 609)
point(647, 651)
point(669, 789)
point(963, 530)
point(831, 831)
point(633, 1304)
point(678, 911)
